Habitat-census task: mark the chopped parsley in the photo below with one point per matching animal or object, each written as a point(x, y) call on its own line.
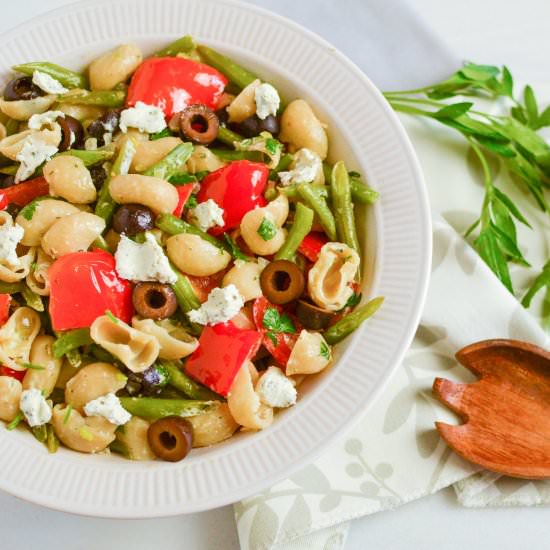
point(353, 300)
point(267, 230)
point(276, 322)
point(192, 202)
point(272, 146)
point(34, 266)
point(28, 211)
point(324, 351)
point(109, 314)
point(182, 179)
point(163, 133)
point(272, 337)
point(235, 251)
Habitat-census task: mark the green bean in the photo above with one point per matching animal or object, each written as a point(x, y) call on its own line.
point(343, 207)
point(254, 156)
point(179, 380)
point(185, 295)
point(10, 170)
point(291, 191)
point(227, 136)
point(68, 78)
point(151, 407)
point(106, 206)
point(303, 220)
point(172, 163)
point(284, 164)
point(174, 226)
point(103, 98)
point(32, 299)
point(40, 433)
point(185, 44)
point(320, 207)
point(10, 288)
point(119, 447)
point(89, 158)
point(100, 242)
point(11, 126)
point(362, 193)
point(235, 73)
point(15, 422)
point(351, 322)
point(71, 340)
point(74, 358)
point(102, 354)
point(52, 442)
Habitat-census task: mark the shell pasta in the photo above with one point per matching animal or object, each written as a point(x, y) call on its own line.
point(178, 251)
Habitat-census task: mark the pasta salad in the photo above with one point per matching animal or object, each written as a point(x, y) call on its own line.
point(176, 252)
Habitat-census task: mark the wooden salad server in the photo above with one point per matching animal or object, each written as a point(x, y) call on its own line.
point(506, 412)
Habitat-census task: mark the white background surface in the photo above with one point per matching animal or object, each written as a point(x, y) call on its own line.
point(488, 31)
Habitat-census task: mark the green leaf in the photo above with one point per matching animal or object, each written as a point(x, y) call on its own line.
point(531, 106)
point(507, 201)
point(519, 114)
point(272, 146)
point(544, 118)
point(487, 246)
point(192, 202)
point(454, 110)
point(508, 245)
point(272, 337)
point(507, 82)
point(267, 230)
point(502, 219)
point(543, 280)
point(480, 73)
point(28, 211)
point(353, 300)
point(324, 351)
point(528, 140)
point(496, 147)
point(235, 251)
point(276, 322)
point(468, 125)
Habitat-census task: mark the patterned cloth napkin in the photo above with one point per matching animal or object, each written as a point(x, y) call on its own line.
point(394, 455)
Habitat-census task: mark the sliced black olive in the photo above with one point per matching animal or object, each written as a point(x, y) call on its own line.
point(21, 88)
point(170, 438)
point(223, 116)
point(270, 124)
point(99, 175)
point(311, 316)
point(105, 124)
point(250, 127)
point(199, 124)
point(13, 209)
point(72, 133)
point(132, 219)
point(282, 281)
point(6, 181)
point(154, 300)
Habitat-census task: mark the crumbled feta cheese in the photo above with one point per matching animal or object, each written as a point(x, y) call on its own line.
point(221, 306)
point(47, 83)
point(38, 121)
point(275, 389)
point(108, 138)
point(90, 144)
point(143, 262)
point(33, 153)
point(146, 118)
point(207, 214)
point(34, 406)
point(10, 236)
point(108, 406)
point(267, 100)
point(206, 79)
point(307, 165)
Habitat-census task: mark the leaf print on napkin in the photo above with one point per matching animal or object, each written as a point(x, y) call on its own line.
point(298, 518)
point(312, 479)
point(399, 410)
point(369, 489)
point(426, 440)
point(459, 220)
point(466, 257)
point(263, 531)
point(329, 502)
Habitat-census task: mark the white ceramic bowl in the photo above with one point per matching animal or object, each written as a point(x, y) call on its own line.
point(397, 244)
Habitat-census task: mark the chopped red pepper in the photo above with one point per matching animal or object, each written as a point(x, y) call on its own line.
point(174, 83)
point(279, 344)
point(203, 285)
point(311, 245)
point(17, 374)
point(237, 188)
point(184, 192)
point(23, 193)
point(222, 351)
point(5, 301)
point(83, 285)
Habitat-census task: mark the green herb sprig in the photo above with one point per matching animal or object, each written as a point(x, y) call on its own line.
point(511, 137)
